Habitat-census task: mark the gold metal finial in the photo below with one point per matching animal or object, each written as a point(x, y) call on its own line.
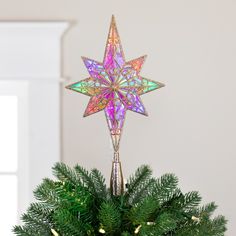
point(117, 181)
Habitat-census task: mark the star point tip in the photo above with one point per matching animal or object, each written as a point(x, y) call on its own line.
point(112, 17)
point(68, 86)
point(144, 58)
point(113, 22)
point(161, 85)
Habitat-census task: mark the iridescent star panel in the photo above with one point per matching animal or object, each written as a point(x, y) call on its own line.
point(115, 85)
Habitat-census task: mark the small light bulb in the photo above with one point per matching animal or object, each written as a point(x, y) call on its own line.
point(102, 231)
point(54, 232)
point(196, 219)
point(136, 231)
point(150, 223)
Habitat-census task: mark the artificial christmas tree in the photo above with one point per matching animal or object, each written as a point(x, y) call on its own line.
point(79, 203)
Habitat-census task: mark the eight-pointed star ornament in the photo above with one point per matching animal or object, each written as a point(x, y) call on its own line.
point(115, 85)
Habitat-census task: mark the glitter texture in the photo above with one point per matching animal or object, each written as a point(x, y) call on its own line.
point(115, 85)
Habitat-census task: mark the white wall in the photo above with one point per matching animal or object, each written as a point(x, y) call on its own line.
point(191, 127)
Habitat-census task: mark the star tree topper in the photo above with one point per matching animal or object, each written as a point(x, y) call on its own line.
point(115, 85)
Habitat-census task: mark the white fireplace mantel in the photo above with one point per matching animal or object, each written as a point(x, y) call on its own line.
point(30, 62)
point(31, 49)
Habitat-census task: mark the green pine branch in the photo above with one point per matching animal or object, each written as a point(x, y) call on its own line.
point(65, 174)
point(165, 188)
point(99, 184)
point(142, 212)
point(109, 217)
point(137, 181)
point(78, 203)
